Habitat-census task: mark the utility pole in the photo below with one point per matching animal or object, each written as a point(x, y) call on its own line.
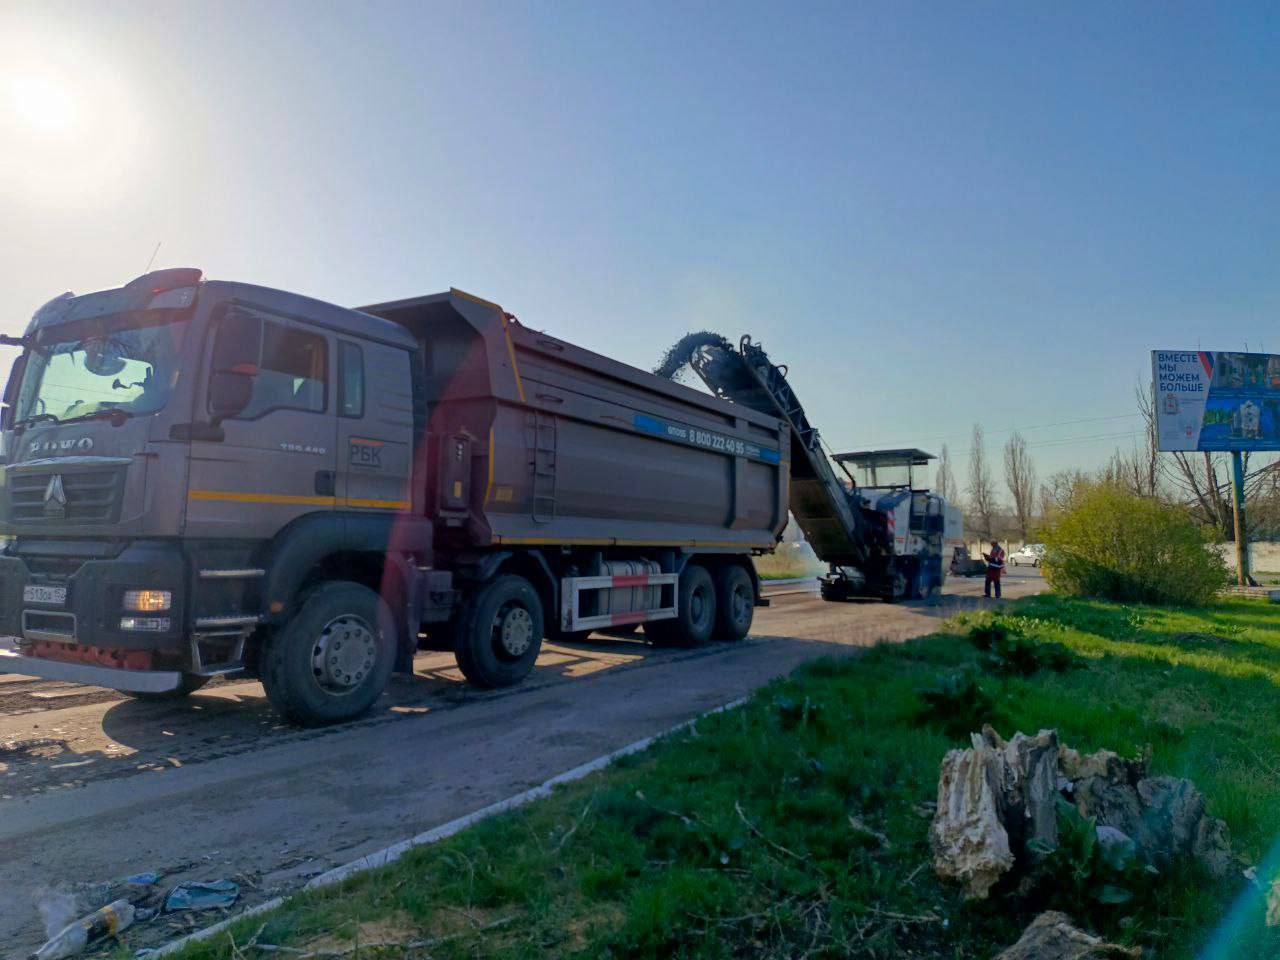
point(1241, 528)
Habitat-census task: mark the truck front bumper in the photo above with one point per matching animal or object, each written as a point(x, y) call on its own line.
point(85, 607)
point(12, 660)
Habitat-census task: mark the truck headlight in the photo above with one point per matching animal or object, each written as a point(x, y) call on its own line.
point(148, 601)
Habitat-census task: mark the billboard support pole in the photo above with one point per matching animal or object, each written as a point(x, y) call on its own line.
point(1241, 530)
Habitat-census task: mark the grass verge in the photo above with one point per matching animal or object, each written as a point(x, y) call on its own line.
point(797, 825)
point(787, 564)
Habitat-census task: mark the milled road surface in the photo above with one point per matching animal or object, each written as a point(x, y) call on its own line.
point(95, 786)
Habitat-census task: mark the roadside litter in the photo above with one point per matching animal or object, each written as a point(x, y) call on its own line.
point(1052, 936)
point(218, 894)
point(105, 922)
point(1001, 806)
point(134, 899)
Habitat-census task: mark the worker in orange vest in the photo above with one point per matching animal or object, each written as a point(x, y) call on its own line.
point(995, 567)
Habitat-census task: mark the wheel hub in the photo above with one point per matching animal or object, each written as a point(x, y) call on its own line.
point(697, 606)
point(514, 627)
point(344, 654)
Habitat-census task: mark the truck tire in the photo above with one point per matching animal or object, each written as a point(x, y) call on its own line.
point(333, 657)
point(896, 587)
point(500, 633)
point(735, 602)
point(695, 619)
point(189, 684)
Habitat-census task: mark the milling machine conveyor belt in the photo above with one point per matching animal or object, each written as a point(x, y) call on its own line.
point(834, 525)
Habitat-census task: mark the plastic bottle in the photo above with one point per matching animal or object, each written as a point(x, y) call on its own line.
point(106, 922)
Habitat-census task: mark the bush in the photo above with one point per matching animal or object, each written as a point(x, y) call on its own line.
point(955, 703)
point(1112, 544)
point(1009, 653)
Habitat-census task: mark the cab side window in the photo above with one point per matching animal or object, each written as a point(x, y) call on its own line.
point(292, 371)
point(350, 380)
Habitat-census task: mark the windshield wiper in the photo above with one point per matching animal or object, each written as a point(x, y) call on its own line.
point(114, 414)
point(36, 418)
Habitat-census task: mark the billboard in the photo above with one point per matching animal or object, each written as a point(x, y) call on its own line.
point(1216, 400)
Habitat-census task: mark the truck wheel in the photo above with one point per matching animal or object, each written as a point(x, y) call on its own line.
point(894, 587)
point(695, 612)
point(333, 657)
point(500, 633)
point(189, 684)
point(735, 602)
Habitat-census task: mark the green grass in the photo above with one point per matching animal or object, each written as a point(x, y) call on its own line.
point(797, 825)
point(785, 565)
point(786, 573)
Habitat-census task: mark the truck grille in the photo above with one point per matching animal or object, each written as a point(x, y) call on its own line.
point(92, 496)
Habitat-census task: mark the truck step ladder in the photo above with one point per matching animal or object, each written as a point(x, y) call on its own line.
point(542, 449)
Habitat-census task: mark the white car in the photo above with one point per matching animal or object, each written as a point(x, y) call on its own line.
point(1032, 554)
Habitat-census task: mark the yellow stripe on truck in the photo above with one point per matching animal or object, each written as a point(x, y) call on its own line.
point(622, 542)
point(373, 504)
point(237, 496)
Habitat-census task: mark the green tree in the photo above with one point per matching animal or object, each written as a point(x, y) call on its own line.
point(1109, 543)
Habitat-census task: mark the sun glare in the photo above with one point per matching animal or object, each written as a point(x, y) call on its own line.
point(43, 103)
point(70, 125)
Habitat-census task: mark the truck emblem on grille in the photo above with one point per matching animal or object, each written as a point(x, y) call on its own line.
point(55, 499)
point(73, 445)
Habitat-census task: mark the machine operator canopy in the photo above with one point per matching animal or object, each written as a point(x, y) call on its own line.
point(882, 469)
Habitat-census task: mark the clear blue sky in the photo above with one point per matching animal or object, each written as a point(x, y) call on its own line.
point(934, 214)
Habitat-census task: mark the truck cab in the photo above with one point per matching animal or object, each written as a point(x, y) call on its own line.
point(169, 445)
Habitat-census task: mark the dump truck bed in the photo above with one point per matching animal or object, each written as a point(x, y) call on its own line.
point(565, 446)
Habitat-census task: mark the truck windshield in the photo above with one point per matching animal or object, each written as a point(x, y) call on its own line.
point(124, 365)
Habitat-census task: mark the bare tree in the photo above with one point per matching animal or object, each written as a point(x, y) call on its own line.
point(1198, 479)
point(981, 493)
point(1139, 469)
point(1056, 491)
point(945, 483)
point(1020, 476)
point(1201, 481)
point(1197, 475)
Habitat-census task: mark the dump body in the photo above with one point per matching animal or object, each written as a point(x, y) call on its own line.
point(540, 442)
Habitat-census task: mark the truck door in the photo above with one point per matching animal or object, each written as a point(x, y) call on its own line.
point(375, 426)
point(275, 460)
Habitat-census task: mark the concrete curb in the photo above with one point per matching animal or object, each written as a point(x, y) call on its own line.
point(394, 852)
point(785, 588)
point(787, 582)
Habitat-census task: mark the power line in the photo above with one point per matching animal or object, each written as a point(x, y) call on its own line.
point(1037, 426)
point(1069, 440)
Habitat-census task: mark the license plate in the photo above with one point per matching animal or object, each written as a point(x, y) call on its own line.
point(34, 593)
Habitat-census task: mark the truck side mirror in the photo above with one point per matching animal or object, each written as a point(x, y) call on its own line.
point(229, 394)
point(236, 350)
point(238, 343)
point(11, 392)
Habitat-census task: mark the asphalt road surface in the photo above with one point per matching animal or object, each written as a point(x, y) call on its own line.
point(95, 786)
